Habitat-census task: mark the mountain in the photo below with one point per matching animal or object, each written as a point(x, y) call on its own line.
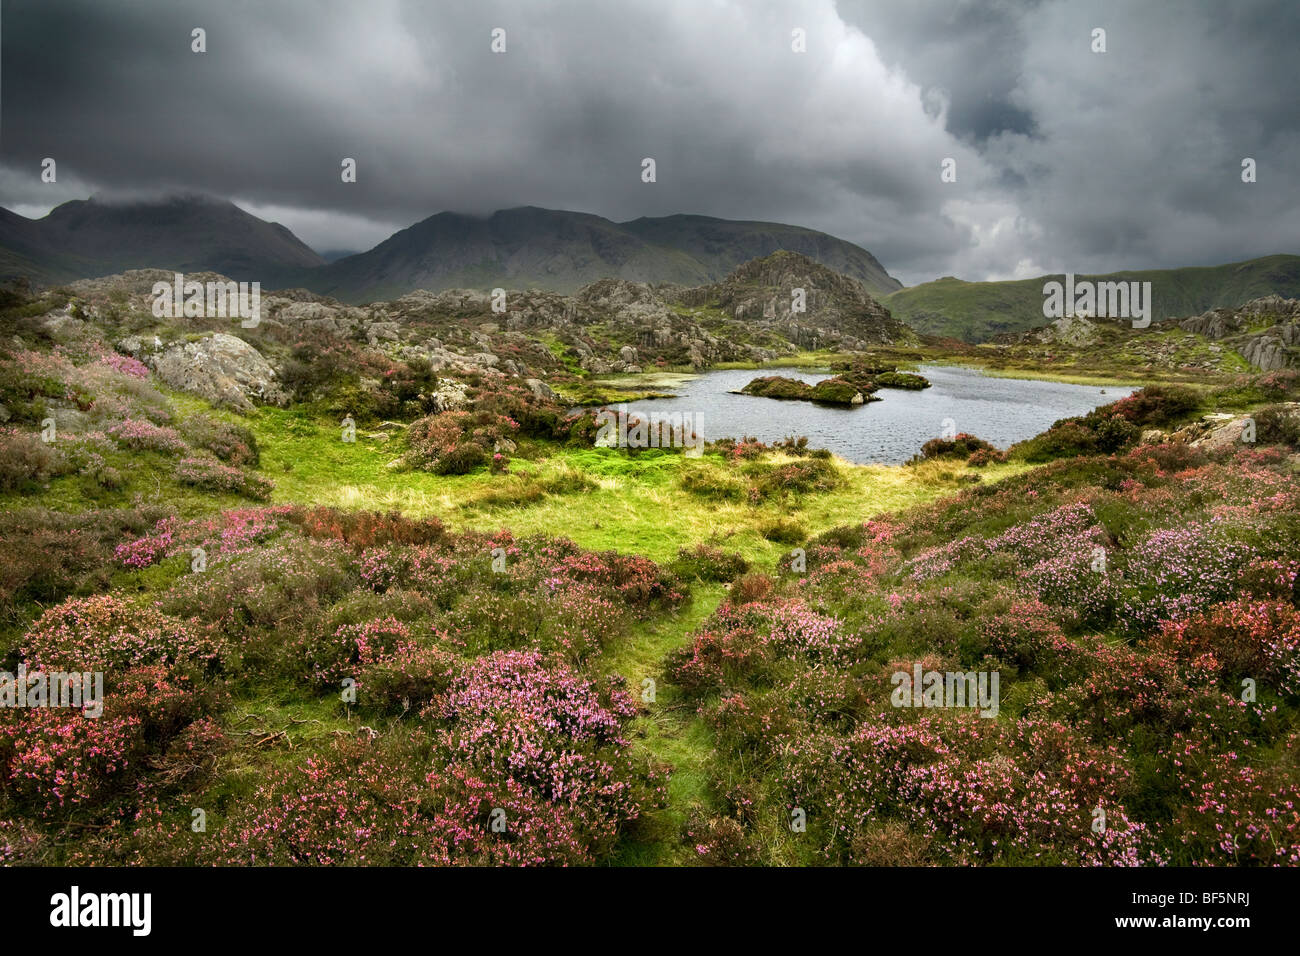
point(559, 251)
point(94, 237)
point(520, 248)
point(980, 311)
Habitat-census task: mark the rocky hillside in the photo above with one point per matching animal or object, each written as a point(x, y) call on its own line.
point(840, 313)
point(1265, 331)
point(608, 326)
point(1263, 334)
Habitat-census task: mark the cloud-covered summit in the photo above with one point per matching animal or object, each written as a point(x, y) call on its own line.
point(1066, 159)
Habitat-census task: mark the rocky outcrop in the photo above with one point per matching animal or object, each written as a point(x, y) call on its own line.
point(1265, 331)
point(608, 326)
point(222, 369)
point(451, 396)
point(541, 390)
point(837, 311)
point(1075, 330)
point(1222, 430)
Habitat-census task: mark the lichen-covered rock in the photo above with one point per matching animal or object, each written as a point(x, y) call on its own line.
point(222, 369)
point(541, 390)
point(450, 396)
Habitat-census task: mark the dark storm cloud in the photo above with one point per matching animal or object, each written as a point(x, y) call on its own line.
point(968, 50)
point(1066, 159)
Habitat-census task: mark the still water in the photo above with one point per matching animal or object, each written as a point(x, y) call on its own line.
point(999, 410)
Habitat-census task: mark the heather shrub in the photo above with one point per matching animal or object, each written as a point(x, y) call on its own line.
point(1028, 803)
point(1235, 813)
point(627, 578)
point(983, 457)
point(719, 840)
point(960, 446)
point(536, 417)
point(709, 564)
point(111, 634)
point(1023, 635)
point(1155, 406)
point(260, 599)
point(228, 532)
point(1279, 385)
point(366, 529)
point(455, 443)
point(433, 571)
point(125, 364)
point(529, 767)
point(1065, 439)
point(1114, 433)
point(1236, 639)
point(231, 443)
point(782, 530)
point(408, 678)
point(352, 803)
point(1176, 571)
point(53, 760)
point(487, 621)
point(1279, 424)
point(749, 724)
point(517, 720)
point(209, 474)
point(750, 587)
point(460, 460)
point(140, 435)
point(743, 642)
point(580, 622)
point(49, 554)
point(341, 653)
point(25, 460)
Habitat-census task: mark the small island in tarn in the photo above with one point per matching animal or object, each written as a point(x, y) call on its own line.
point(867, 374)
point(907, 380)
point(829, 391)
point(853, 385)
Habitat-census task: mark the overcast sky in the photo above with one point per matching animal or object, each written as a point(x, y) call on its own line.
point(1066, 159)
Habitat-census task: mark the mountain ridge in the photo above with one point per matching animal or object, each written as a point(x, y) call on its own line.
point(561, 251)
point(520, 247)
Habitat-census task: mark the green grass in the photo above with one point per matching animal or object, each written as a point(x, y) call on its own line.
point(634, 504)
point(670, 734)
